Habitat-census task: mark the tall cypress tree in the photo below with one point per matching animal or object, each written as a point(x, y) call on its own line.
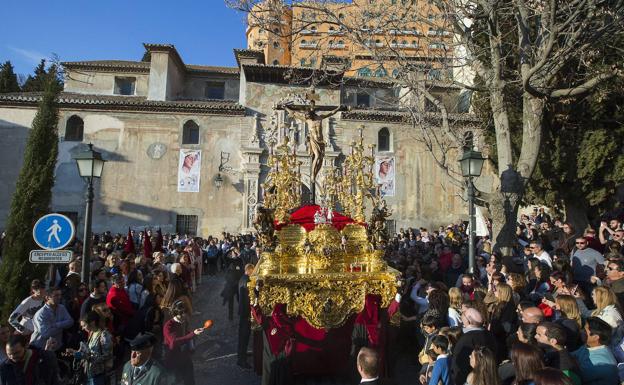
point(31, 200)
point(8, 78)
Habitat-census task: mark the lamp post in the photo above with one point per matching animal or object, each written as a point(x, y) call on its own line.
point(471, 164)
point(218, 181)
point(225, 158)
point(90, 165)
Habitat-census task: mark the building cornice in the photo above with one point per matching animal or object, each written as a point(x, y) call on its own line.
point(402, 116)
point(68, 100)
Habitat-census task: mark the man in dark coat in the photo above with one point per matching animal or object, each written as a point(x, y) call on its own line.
point(233, 272)
point(474, 335)
point(244, 312)
point(142, 369)
point(28, 365)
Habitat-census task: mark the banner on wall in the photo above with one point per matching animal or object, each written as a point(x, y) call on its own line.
point(189, 170)
point(384, 174)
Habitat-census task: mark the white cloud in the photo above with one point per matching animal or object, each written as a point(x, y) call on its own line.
point(31, 56)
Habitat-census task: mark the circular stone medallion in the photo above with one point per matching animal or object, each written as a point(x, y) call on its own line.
point(156, 150)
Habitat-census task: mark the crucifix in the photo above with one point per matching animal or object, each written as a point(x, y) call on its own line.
point(311, 115)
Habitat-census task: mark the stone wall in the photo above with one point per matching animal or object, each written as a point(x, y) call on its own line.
point(102, 83)
point(136, 189)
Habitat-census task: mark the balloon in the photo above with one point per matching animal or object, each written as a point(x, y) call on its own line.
point(208, 324)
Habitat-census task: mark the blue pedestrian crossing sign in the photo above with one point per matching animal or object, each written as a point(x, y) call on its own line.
point(53, 231)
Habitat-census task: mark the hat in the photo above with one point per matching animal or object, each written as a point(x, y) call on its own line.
point(142, 341)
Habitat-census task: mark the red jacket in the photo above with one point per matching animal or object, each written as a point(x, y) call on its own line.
point(174, 339)
point(119, 303)
point(445, 261)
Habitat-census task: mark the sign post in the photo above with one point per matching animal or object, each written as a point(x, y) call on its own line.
point(52, 233)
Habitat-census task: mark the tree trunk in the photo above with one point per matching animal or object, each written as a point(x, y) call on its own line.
point(532, 120)
point(504, 213)
point(503, 135)
point(576, 214)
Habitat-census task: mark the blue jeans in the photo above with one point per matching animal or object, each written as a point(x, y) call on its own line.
point(100, 379)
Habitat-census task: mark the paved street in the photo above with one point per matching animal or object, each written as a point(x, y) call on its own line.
point(215, 357)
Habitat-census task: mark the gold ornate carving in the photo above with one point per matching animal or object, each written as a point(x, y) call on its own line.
point(282, 191)
point(324, 300)
point(357, 180)
point(324, 275)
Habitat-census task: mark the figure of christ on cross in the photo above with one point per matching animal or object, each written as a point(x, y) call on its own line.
point(316, 143)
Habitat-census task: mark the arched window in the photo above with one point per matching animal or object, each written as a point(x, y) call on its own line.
point(190, 133)
point(383, 140)
point(381, 72)
point(275, 44)
point(395, 73)
point(364, 72)
point(74, 129)
point(275, 62)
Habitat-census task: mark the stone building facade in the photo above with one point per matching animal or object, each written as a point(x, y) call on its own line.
point(140, 114)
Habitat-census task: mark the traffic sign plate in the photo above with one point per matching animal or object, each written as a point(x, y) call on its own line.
point(50, 256)
point(53, 231)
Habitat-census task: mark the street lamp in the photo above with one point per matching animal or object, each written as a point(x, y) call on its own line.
point(471, 164)
point(90, 165)
point(218, 181)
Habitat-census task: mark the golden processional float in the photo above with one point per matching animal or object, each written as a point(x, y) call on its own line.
point(318, 264)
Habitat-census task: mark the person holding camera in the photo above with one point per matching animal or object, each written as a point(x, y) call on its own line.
point(179, 346)
point(96, 355)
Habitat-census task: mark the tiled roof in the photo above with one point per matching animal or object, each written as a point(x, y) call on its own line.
point(127, 103)
point(141, 66)
point(215, 69)
point(110, 65)
point(401, 116)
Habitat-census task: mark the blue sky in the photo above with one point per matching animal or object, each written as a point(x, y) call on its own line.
point(203, 31)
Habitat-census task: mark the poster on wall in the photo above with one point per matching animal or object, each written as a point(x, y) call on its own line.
point(384, 174)
point(189, 170)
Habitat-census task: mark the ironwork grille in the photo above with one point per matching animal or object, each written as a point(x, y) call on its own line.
point(186, 224)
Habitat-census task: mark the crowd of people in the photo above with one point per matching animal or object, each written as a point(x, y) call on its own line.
point(131, 324)
point(548, 314)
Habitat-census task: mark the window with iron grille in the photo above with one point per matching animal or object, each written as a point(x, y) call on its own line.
point(186, 224)
point(391, 227)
